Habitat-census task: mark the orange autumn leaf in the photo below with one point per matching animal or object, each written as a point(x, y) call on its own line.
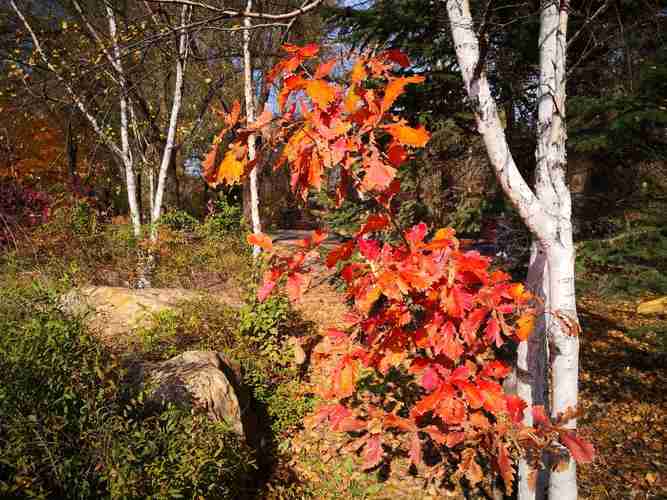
point(358, 72)
point(325, 68)
point(261, 240)
point(321, 92)
point(524, 326)
point(232, 118)
point(395, 88)
point(345, 378)
point(378, 176)
point(231, 168)
point(469, 466)
point(409, 136)
point(352, 100)
point(208, 165)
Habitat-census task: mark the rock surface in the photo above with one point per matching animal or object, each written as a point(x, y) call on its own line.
point(657, 306)
point(201, 379)
point(119, 311)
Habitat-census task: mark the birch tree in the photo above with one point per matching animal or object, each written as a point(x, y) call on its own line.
point(125, 149)
point(248, 89)
point(546, 211)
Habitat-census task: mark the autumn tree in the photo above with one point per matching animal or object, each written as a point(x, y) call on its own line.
point(424, 310)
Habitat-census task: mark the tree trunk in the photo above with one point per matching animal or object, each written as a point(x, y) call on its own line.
point(250, 113)
point(547, 214)
point(130, 180)
point(173, 122)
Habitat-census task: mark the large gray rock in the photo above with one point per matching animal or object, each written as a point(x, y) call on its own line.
point(201, 379)
point(118, 311)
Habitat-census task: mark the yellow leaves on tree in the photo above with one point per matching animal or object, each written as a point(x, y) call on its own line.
point(320, 92)
point(524, 326)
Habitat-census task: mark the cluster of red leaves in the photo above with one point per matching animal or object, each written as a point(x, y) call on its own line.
point(426, 321)
point(419, 356)
point(21, 206)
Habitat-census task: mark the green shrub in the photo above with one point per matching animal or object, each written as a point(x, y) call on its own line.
point(224, 218)
point(178, 220)
point(71, 428)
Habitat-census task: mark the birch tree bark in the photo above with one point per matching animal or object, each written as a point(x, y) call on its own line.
point(547, 214)
point(250, 113)
point(130, 176)
point(181, 61)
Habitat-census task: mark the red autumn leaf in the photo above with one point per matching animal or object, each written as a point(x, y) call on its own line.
point(492, 393)
point(261, 240)
point(374, 222)
point(341, 252)
point(496, 369)
point(372, 452)
point(447, 342)
point(451, 409)
point(492, 332)
point(427, 403)
point(306, 51)
point(336, 336)
point(540, 418)
point(580, 449)
point(515, 407)
point(296, 283)
point(430, 379)
point(472, 395)
point(395, 55)
point(370, 249)
point(416, 233)
point(397, 155)
point(265, 290)
point(470, 325)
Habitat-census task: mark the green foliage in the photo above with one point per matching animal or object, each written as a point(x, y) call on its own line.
point(223, 219)
point(632, 263)
point(263, 323)
point(268, 360)
point(69, 431)
point(178, 220)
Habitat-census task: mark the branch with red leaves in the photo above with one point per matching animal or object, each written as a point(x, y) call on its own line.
point(420, 355)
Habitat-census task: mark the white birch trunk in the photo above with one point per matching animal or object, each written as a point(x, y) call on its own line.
point(547, 214)
point(562, 321)
point(156, 204)
point(250, 113)
point(130, 179)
